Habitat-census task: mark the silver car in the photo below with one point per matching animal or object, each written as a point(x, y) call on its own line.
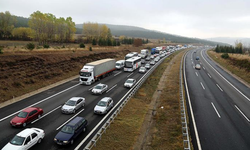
point(152, 62)
point(198, 66)
point(147, 66)
point(129, 83)
point(72, 105)
point(100, 88)
point(142, 70)
point(104, 105)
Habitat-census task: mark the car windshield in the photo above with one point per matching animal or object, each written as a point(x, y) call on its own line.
point(102, 103)
point(147, 64)
point(85, 74)
point(117, 64)
point(71, 103)
point(129, 81)
point(67, 129)
point(22, 114)
point(17, 140)
point(98, 87)
point(142, 68)
point(128, 64)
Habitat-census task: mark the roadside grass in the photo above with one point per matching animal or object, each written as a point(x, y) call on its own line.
point(168, 129)
point(125, 130)
point(242, 73)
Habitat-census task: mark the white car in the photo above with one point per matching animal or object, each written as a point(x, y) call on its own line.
point(148, 58)
point(142, 70)
point(25, 139)
point(152, 62)
point(72, 105)
point(100, 88)
point(104, 105)
point(129, 83)
point(147, 66)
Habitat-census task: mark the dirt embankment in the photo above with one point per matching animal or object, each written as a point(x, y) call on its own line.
point(21, 73)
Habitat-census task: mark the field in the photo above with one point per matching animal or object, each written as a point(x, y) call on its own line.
point(143, 124)
point(228, 65)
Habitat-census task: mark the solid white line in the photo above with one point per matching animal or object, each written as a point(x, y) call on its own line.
point(130, 74)
point(190, 107)
point(225, 79)
point(215, 110)
point(219, 87)
point(40, 101)
point(192, 62)
point(242, 113)
point(202, 86)
point(196, 74)
point(69, 119)
point(117, 73)
point(204, 68)
point(47, 114)
point(209, 75)
point(111, 88)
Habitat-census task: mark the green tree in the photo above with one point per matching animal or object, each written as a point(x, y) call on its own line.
point(7, 22)
point(23, 33)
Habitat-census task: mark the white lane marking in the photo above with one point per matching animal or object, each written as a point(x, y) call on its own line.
point(47, 114)
point(219, 87)
point(192, 62)
point(202, 86)
point(111, 88)
point(69, 119)
point(196, 74)
point(117, 73)
point(193, 67)
point(190, 107)
point(95, 128)
point(209, 75)
point(242, 113)
point(225, 79)
point(91, 88)
point(191, 59)
point(130, 74)
point(215, 110)
point(204, 68)
point(40, 101)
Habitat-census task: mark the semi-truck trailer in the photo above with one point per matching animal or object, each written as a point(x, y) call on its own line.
point(96, 70)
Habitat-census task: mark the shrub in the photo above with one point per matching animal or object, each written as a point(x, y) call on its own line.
point(1, 52)
point(46, 46)
point(225, 56)
point(82, 45)
point(63, 46)
point(30, 46)
point(90, 48)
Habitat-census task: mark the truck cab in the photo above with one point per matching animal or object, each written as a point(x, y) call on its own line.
point(87, 75)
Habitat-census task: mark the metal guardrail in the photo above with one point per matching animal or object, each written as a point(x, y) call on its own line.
point(102, 130)
point(185, 134)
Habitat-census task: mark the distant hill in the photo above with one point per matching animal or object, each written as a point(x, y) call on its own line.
point(132, 31)
point(231, 40)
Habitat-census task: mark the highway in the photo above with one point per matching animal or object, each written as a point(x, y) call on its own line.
point(51, 102)
point(220, 105)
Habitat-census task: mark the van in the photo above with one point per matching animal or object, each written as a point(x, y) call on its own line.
point(70, 131)
point(119, 64)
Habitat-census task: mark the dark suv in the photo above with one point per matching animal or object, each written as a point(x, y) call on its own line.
point(70, 131)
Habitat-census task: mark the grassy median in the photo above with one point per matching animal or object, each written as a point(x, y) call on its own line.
point(166, 132)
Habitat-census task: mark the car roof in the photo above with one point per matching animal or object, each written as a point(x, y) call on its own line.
point(25, 132)
point(75, 121)
point(29, 109)
point(101, 84)
point(130, 79)
point(75, 98)
point(105, 99)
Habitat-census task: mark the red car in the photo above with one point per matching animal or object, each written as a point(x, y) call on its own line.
point(26, 116)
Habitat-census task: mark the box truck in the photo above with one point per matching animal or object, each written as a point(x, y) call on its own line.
point(96, 70)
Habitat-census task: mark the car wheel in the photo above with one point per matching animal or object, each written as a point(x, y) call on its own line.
point(24, 124)
point(83, 104)
point(84, 129)
point(72, 141)
point(39, 141)
point(39, 116)
point(74, 111)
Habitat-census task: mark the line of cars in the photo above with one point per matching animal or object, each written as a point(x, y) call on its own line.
point(30, 136)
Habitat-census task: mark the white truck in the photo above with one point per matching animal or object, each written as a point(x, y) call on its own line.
point(96, 70)
point(144, 53)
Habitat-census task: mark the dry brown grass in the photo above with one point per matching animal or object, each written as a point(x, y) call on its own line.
point(242, 73)
point(125, 130)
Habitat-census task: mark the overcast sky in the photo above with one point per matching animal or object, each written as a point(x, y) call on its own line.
point(191, 18)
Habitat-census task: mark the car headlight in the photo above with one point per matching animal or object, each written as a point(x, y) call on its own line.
point(71, 109)
point(55, 139)
point(65, 142)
